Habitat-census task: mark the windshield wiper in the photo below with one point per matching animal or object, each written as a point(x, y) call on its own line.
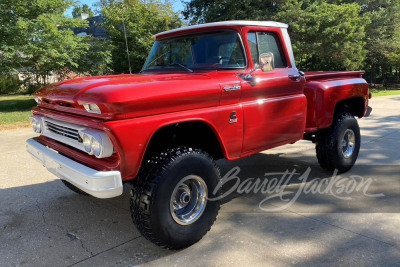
point(182, 66)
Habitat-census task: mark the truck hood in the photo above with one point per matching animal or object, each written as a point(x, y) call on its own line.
point(127, 96)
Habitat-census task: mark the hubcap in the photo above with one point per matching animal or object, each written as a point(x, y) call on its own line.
point(348, 143)
point(188, 200)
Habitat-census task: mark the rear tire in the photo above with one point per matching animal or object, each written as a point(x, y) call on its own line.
point(338, 146)
point(169, 199)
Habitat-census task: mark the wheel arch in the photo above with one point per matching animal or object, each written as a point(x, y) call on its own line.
point(196, 133)
point(355, 106)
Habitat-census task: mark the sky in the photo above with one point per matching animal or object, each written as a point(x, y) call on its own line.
point(177, 5)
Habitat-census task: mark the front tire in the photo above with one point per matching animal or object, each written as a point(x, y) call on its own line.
point(74, 188)
point(338, 146)
point(169, 199)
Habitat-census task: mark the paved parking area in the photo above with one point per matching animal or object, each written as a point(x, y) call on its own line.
point(42, 223)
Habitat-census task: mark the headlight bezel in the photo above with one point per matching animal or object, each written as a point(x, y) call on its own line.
point(100, 143)
point(37, 124)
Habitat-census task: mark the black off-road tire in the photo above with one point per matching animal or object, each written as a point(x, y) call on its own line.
point(322, 150)
point(152, 191)
point(74, 188)
point(329, 145)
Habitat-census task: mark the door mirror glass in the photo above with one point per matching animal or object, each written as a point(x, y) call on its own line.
point(266, 62)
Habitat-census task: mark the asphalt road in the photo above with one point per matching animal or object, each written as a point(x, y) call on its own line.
point(42, 223)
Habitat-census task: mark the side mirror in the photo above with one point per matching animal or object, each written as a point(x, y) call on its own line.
point(266, 62)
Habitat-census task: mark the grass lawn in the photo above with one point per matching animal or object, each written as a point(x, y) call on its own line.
point(376, 93)
point(15, 111)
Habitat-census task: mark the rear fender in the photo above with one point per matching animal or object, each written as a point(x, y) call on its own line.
point(325, 98)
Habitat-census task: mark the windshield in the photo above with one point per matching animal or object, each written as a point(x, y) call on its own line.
point(218, 50)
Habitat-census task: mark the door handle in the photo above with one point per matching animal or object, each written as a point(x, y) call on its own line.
point(295, 77)
point(236, 87)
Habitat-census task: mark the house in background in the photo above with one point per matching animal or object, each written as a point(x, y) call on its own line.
point(94, 28)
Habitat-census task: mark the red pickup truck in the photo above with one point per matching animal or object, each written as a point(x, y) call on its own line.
point(219, 90)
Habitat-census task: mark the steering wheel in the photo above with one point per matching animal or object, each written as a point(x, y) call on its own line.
point(219, 59)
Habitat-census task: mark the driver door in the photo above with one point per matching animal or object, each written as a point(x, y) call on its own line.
point(274, 106)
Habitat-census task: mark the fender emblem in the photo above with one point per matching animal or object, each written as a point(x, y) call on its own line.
point(233, 118)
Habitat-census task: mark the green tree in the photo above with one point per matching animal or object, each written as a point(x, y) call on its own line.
point(202, 11)
point(325, 36)
point(12, 40)
point(36, 40)
point(82, 9)
point(98, 59)
point(383, 40)
point(51, 48)
point(139, 20)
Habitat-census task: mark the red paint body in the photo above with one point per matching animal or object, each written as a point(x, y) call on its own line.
point(274, 111)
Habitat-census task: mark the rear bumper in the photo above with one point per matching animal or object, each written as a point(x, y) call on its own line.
point(100, 184)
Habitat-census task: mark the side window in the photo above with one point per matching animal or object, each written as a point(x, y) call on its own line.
point(264, 42)
point(269, 42)
point(253, 47)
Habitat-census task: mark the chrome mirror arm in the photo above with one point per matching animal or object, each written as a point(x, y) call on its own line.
point(249, 76)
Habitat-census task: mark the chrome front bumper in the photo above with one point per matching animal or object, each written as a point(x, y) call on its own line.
point(96, 183)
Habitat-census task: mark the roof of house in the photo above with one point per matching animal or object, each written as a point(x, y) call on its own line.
point(95, 28)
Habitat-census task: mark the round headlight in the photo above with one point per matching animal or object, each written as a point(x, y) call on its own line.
point(96, 143)
point(87, 142)
point(96, 147)
point(36, 124)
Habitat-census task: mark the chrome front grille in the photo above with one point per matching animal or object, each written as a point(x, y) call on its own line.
point(63, 131)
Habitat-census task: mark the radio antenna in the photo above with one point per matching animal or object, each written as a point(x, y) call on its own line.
point(127, 47)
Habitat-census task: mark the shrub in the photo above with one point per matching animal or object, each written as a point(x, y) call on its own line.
point(10, 84)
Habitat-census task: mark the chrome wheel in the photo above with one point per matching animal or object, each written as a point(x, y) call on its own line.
point(348, 143)
point(188, 200)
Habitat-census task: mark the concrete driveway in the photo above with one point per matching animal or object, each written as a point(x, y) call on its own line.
point(42, 223)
